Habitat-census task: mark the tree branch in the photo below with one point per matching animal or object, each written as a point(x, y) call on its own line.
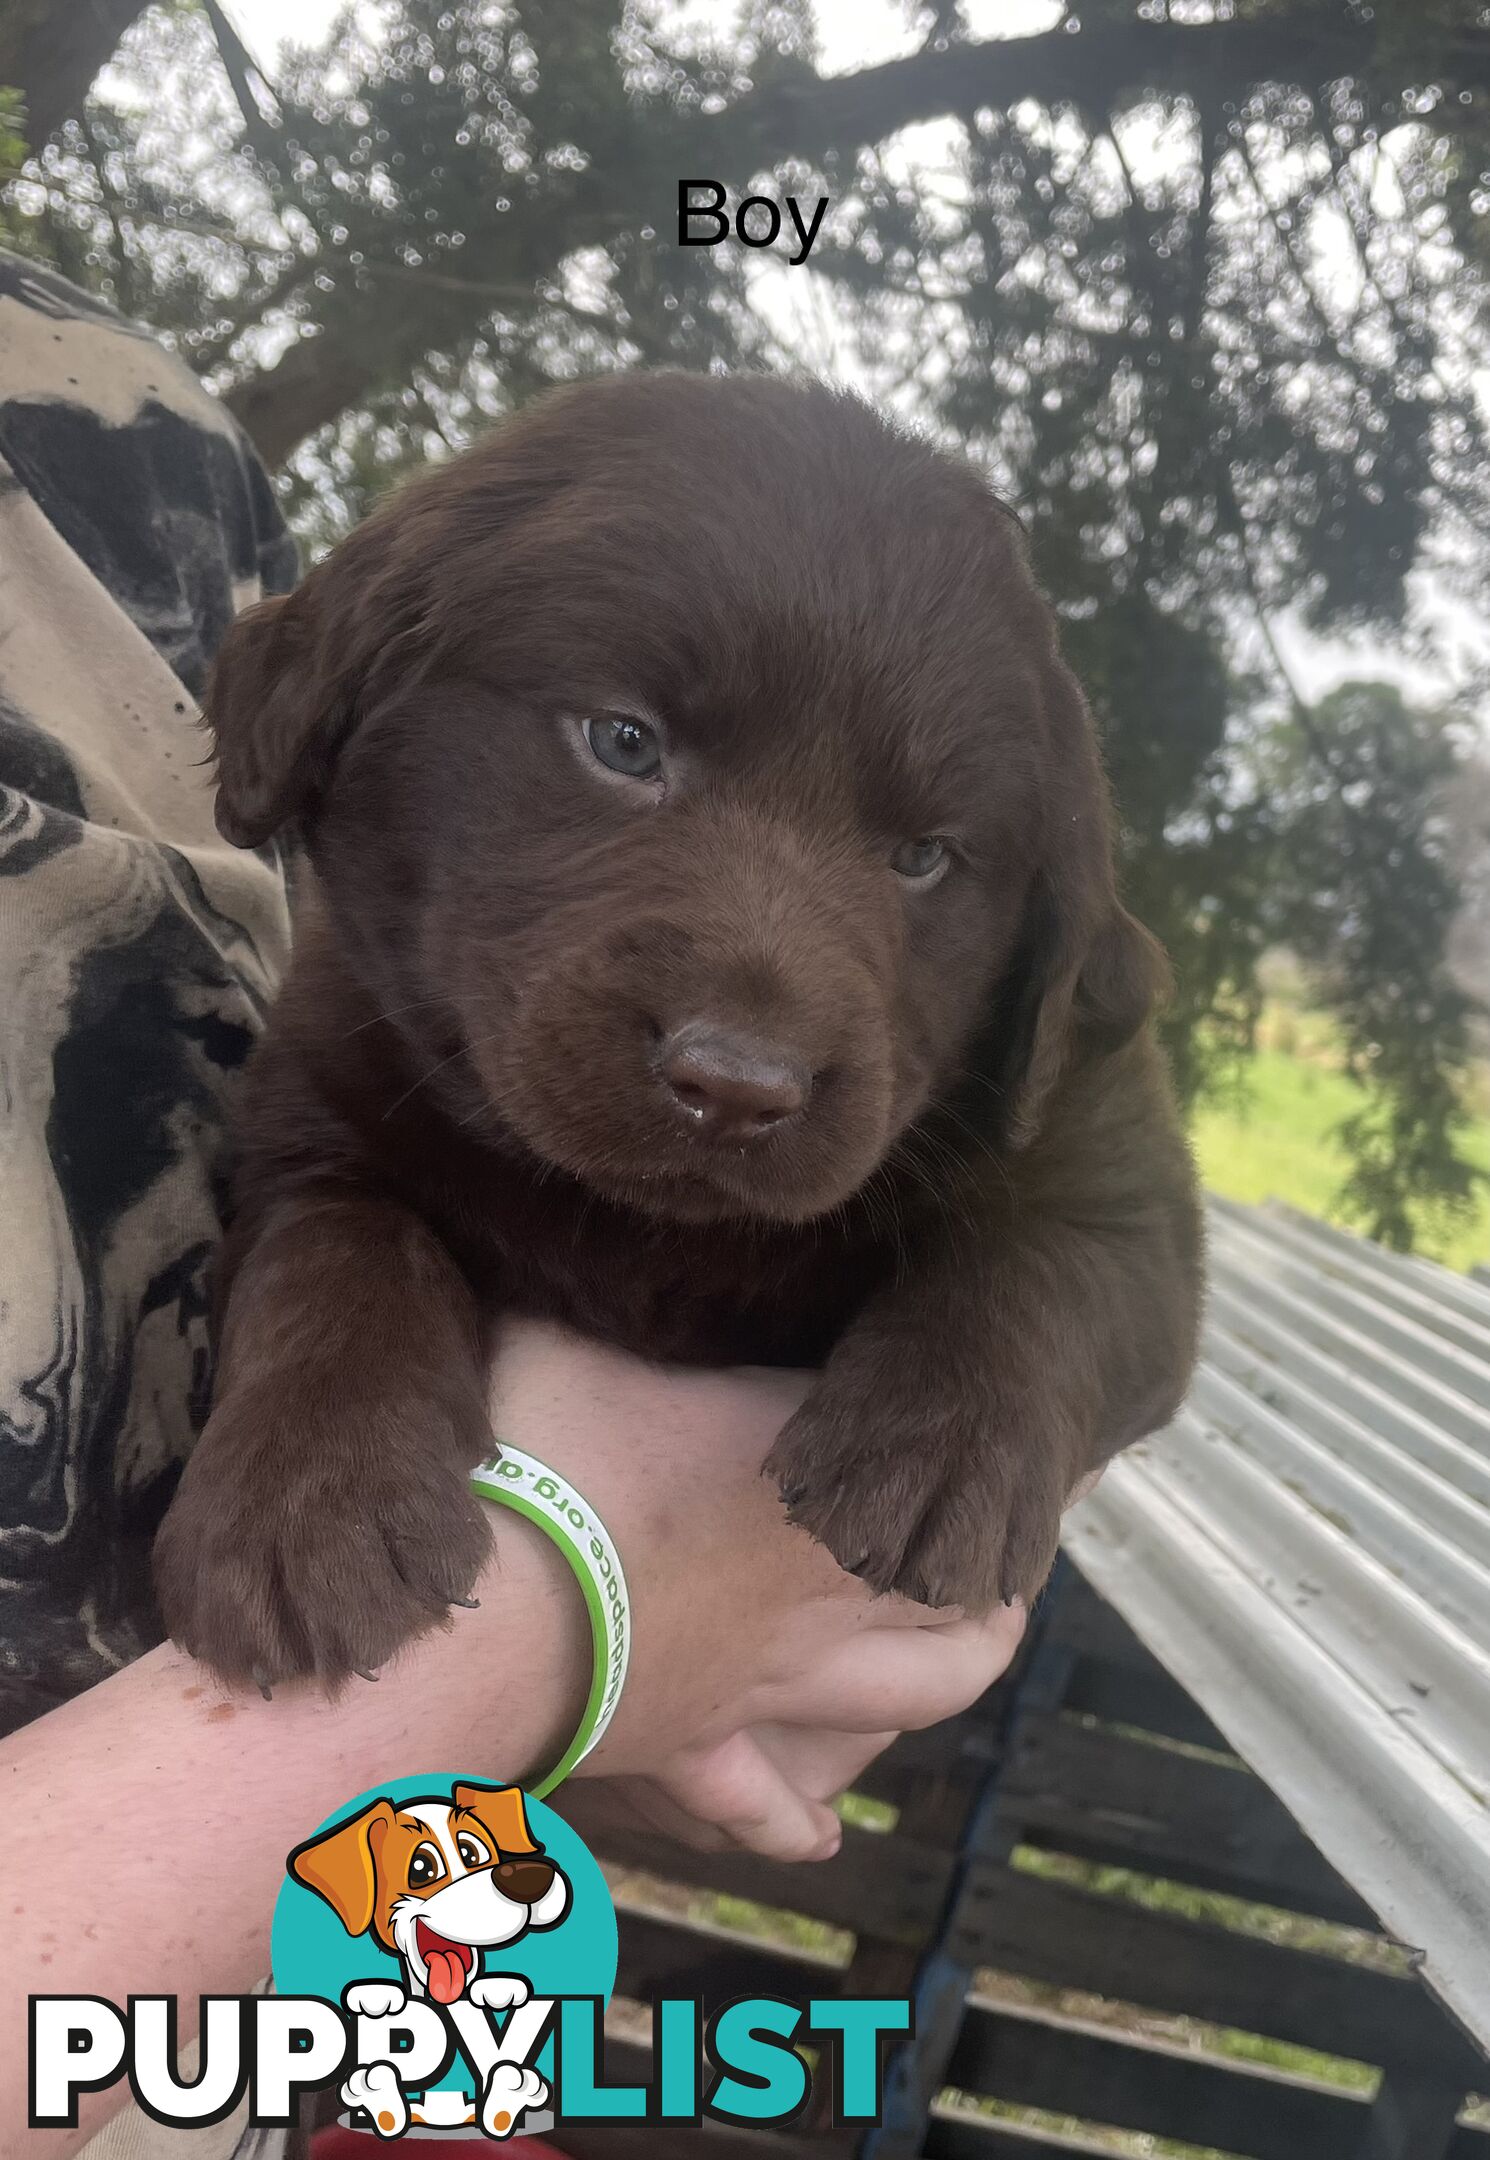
point(1098, 68)
point(1104, 66)
point(240, 68)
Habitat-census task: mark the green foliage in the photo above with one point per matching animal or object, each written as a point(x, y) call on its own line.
point(1373, 917)
point(16, 230)
point(12, 132)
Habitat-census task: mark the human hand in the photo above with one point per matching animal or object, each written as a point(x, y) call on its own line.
point(763, 1677)
point(769, 1788)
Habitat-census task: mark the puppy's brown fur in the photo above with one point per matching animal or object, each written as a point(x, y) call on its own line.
point(981, 1222)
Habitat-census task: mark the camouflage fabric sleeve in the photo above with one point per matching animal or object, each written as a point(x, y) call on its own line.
point(137, 954)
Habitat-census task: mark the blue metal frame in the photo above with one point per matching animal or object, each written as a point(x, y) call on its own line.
point(939, 1993)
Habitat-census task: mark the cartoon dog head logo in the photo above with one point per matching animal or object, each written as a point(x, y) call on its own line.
point(435, 1881)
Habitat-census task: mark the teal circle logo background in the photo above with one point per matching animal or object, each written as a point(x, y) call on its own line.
point(312, 1954)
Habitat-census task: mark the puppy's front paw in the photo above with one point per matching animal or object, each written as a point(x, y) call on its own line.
point(928, 1495)
point(374, 1998)
point(376, 2088)
point(511, 2092)
point(317, 1538)
point(499, 1991)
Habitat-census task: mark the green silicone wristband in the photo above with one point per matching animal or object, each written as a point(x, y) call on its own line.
point(514, 1479)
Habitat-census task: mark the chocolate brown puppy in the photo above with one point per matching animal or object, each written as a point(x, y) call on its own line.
point(710, 941)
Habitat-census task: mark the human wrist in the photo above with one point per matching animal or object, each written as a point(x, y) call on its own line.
point(532, 1489)
point(494, 1691)
point(511, 1676)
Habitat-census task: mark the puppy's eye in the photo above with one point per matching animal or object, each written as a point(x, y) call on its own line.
point(425, 1867)
point(473, 1853)
point(626, 746)
point(919, 860)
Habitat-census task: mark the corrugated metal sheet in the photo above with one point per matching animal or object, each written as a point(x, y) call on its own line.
point(1307, 1549)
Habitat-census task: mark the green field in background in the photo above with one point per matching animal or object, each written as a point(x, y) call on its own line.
point(1269, 1137)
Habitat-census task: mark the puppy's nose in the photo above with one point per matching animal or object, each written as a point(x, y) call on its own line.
point(524, 1881)
point(731, 1086)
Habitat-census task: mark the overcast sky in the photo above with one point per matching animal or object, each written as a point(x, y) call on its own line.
point(855, 34)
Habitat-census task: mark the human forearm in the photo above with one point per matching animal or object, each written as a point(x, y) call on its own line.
point(180, 1802)
point(170, 1804)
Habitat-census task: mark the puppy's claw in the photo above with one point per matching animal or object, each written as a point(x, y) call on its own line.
point(467, 1604)
point(261, 1682)
point(363, 1673)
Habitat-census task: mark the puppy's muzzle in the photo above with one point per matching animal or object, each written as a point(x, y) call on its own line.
point(728, 1086)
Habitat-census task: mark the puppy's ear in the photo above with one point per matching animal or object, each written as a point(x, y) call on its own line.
point(277, 716)
point(292, 673)
point(1085, 976)
point(341, 1865)
point(499, 1810)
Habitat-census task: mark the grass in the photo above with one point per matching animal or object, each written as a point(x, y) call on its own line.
point(1271, 1137)
point(1243, 1916)
point(1096, 2137)
point(754, 1923)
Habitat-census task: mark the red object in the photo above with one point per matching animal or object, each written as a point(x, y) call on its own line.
point(336, 2142)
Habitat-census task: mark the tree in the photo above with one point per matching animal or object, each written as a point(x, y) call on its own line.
point(1202, 285)
point(1466, 813)
point(51, 53)
point(1363, 779)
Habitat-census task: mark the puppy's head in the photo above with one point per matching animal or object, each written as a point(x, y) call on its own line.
point(435, 1881)
point(694, 778)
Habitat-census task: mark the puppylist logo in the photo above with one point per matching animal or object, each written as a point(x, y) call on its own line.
point(443, 1951)
point(453, 1889)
